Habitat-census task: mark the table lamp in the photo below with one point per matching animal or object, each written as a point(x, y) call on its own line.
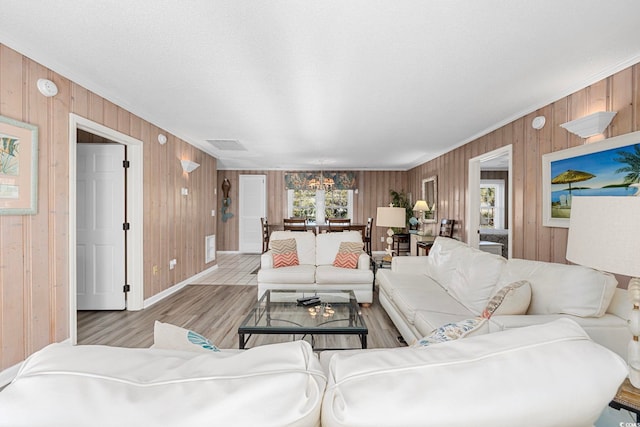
point(390, 217)
point(421, 206)
point(604, 234)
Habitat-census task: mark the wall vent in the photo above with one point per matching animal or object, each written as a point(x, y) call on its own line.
point(210, 248)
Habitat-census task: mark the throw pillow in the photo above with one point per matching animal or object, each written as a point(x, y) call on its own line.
point(511, 299)
point(348, 254)
point(285, 253)
point(454, 331)
point(171, 337)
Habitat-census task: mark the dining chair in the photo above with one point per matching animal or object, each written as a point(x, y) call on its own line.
point(338, 224)
point(295, 224)
point(367, 236)
point(265, 234)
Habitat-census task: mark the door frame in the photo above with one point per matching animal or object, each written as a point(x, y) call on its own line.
point(134, 203)
point(473, 220)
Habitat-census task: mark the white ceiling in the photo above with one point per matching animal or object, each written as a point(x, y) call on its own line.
point(339, 84)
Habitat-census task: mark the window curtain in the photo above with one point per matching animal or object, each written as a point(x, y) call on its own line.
point(315, 180)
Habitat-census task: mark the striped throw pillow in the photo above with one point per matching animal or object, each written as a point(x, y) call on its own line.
point(285, 253)
point(348, 254)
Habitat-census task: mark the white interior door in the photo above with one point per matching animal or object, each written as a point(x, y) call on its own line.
point(252, 207)
point(100, 248)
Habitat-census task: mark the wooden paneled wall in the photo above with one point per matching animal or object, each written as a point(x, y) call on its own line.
point(531, 240)
point(373, 191)
point(34, 277)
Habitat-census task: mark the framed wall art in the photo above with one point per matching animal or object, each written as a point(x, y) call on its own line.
point(18, 167)
point(605, 168)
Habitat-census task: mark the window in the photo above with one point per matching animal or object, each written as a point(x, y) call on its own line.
point(492, 203)
point(317, 205)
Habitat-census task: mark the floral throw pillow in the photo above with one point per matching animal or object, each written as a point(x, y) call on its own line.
point(285, 253)
point(511, 299)
point(171, 337)
point(454, 331)
point(348, 254)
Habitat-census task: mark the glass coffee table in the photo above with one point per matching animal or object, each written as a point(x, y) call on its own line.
point(278, 312)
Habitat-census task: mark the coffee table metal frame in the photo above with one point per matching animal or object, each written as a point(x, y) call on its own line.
point(278, 313)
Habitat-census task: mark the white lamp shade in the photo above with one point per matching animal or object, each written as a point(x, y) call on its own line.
point(391, 217)
point(189, 166)
point(421, 205)
point(604, 234)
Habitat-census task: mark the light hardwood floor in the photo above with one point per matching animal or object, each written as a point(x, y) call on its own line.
point(216, 310)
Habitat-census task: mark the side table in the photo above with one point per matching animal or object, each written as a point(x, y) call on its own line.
point(627, 397)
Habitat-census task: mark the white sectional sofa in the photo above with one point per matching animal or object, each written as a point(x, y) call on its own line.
point(545, 376)
point(455, 282)
point(316, 271)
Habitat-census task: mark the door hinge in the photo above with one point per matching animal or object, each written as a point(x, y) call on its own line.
point(126, 226)
point(126, 288)
point(126, 164)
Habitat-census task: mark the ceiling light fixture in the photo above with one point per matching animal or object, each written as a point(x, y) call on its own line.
point(590, 125)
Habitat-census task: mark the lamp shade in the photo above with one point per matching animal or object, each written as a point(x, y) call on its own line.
point(421, 205)
point(391, 217)
point(188, 166)
point(604, 234)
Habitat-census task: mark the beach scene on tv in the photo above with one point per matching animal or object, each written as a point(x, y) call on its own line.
point(614, 172)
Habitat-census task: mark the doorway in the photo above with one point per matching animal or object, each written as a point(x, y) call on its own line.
point(134, 214)
point(489, 212)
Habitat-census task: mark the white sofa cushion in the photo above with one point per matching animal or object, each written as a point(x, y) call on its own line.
point(327, 245)
point(302, 274)
point(561, 288)
point(305, 243)
point(475, 277)
point(328, 274)
point(443, 259)
point(503, 379)
point(426, 321)
point(64, 385)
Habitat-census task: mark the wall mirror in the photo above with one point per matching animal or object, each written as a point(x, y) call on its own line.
point(430, 195)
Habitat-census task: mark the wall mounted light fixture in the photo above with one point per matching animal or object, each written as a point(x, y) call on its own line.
point(47, 87)
point(188, 166)
point(162, 139)
point(590, 125)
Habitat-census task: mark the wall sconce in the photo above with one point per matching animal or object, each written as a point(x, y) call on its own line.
point(590, 125)
point(188, 166)
point(47, 87)
point(162, 139)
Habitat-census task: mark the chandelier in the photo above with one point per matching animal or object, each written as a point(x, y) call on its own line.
point(321, 183)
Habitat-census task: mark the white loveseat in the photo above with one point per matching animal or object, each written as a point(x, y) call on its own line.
point(545, 376)
point(455, 282)
point(316, 271)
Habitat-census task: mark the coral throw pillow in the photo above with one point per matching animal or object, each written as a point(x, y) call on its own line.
point(511, 299)
point(285, 253)
point(348, 254)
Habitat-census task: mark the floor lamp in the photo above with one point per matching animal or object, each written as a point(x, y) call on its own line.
point(604, 234)
point(390, 217)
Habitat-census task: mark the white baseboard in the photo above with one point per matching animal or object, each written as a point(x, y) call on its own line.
point(175, 288)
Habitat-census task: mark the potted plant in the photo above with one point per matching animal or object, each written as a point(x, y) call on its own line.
point(401, 200)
